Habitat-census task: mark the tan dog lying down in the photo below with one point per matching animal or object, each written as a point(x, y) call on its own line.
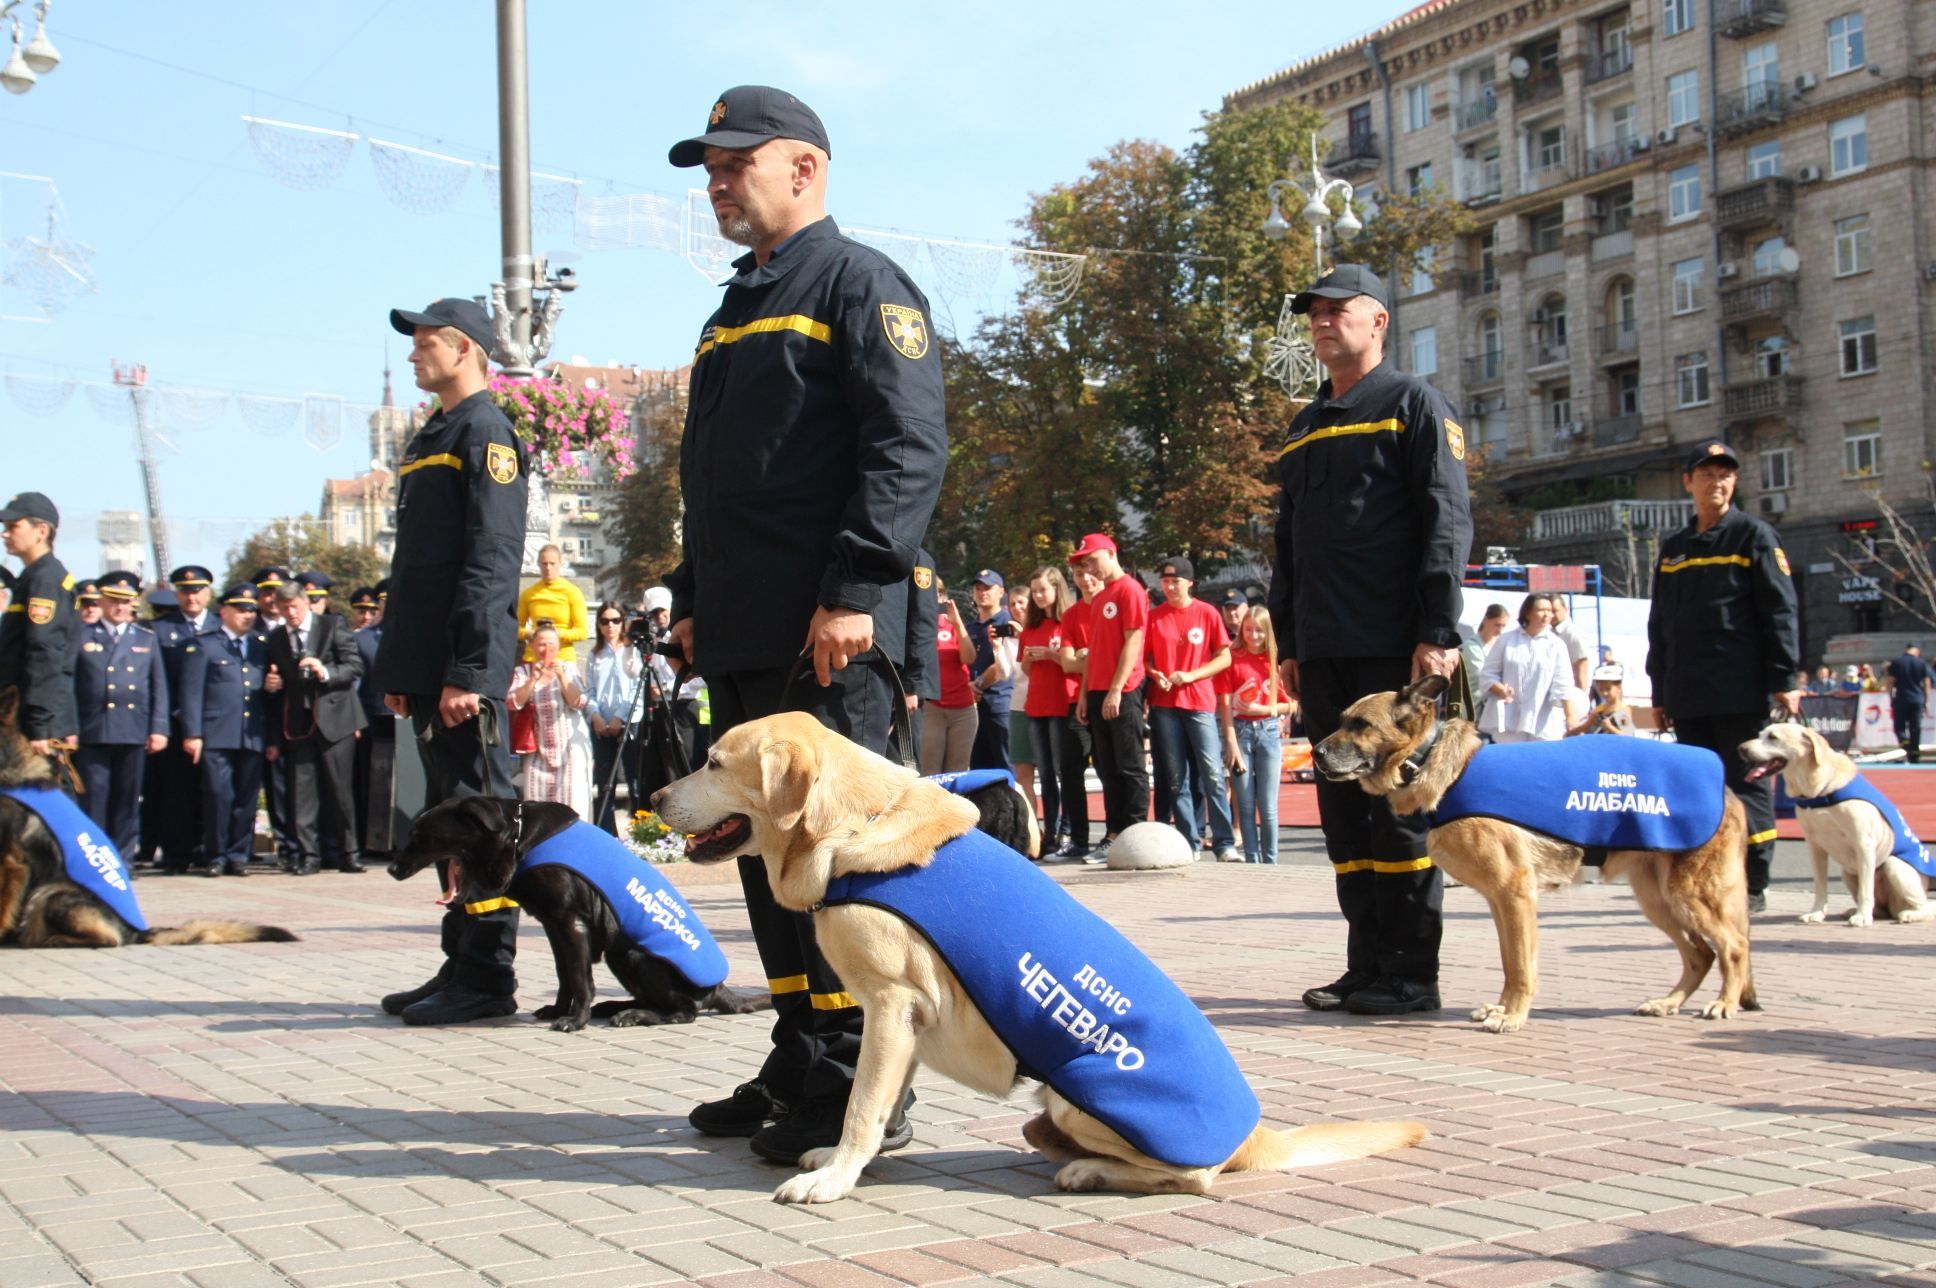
point(1851, 832)
point(819, 809)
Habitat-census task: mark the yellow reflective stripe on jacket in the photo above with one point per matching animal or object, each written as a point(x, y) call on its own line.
point(1759, 837)
point(761, 326)
point(489, 905)
point(442, 458)
point(1707, 561)
point(1386, 867)
point(1390, 425)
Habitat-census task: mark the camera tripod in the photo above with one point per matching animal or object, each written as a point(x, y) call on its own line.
point(656, 730)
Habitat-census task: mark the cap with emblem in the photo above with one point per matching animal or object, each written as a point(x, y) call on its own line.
point(87, 592)
point(269, 578)
point(364, 597)
point(1090, 544)
point(1234, 598)
point(31, 505)
point(191, 577)
point(746, 116)
point(240, 595)
point(382, 588)
point(1179, 567)
point(315, 584)
point(467, 316)
point(1342, 282)
point(120, 584)
point(989, 577)
point(1712, 449)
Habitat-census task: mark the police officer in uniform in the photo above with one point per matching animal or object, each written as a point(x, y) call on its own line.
point(121, 694)
point(445, 660)
point(38, 629)
point(225, 722)
point(1373, 531)
point(376, 748)
point(813, 452)
point(1721, 638)
point(171, 794)
point(87, 601)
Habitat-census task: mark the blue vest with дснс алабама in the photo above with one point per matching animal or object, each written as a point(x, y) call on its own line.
point(1598, 793)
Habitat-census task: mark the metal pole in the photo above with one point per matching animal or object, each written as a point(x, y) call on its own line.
point(514, 183)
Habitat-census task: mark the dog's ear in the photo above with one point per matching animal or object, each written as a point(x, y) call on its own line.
point(487, 812)
point(1421, 695)
point(786, 781)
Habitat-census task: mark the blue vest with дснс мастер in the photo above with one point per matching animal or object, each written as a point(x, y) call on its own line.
point(1905, 845)
point(87, 855)
point(1081, 1007)
point(649, 910)
point(1599, 793)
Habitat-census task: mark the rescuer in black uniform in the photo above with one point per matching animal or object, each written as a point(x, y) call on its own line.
point(41, 628)
point(1372, 538)
point(920, 677)
point(452, 631)
point(812, 458)
point(1721, 640)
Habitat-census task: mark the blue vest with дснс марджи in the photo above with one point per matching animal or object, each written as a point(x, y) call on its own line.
point(87, 855)
point(1598, 793)
point(1904, 845)
point(1079, 1005)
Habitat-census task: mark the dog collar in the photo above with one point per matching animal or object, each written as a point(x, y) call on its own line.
point(1414, 764)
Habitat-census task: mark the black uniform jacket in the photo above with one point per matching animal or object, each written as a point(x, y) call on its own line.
point(1374, 525)
point(328, 709)
point(222, 697)
point(120, 686)
point(452, 613)
point(1721, 633)
point(920, 675)
point(39, 633)
point(814, 446)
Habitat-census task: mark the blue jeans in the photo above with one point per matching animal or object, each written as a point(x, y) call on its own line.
point(1262, 745)
point(1187, 748)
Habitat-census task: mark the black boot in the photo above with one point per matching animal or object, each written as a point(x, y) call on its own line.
point(816, 1124)
point(749, 1108)
point(455, 1004)
point(397, 1003)
point(1330, 997)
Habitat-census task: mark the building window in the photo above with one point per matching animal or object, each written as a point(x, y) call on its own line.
point(1764, 160)
point(1419, 178)
point(1548, 229)
point(1777, 469)
point(1418, 107)
point(1549, 147)
point(1677, 16)
point(1772, 356)
point(1688, 275)
point(1626, 391)
point(1422, 271)
point(1844, 43)
point(1683, 98)
point(1848, 144)
point(1425, 351)
point(1767, 257)
point(1612, 210)
point(1559, 413)
point(1683, 193)
point(1859, 346)
point(1761, 74)
point(1862, 449)
point(1621, 118)
point(1358, 123)
point(1852, 245)
point(1690, 380)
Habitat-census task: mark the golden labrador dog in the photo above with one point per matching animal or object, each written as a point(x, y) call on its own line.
point(1851, 832)
point(817, 807)
point(1698, 898)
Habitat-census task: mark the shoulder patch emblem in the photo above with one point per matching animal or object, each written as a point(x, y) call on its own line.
point(1455, 440)
point(1781, 561)
point(923, 578)
point(906, 329)
point(40, 611)
point(501, 461)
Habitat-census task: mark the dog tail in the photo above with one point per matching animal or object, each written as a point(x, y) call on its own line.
point(1270, 1150)
point(216, 932)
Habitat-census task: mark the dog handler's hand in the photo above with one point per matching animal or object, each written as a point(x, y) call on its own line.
point(1430, 659)
point(680, 633)
point(456, 706)
point(1287, 672)
point(398, 703)
point(834, 635)
point(1790, 702)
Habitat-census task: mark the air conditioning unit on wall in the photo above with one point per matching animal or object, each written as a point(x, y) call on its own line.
point(1808, 174)
point(1775, 503)
point(1725, 269)
point(1666, 137)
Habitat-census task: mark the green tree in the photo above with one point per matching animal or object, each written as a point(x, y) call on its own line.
point(303, 545)
point(645, 521)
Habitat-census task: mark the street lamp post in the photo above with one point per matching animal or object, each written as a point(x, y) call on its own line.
point(1289, 359)
point(29, 62)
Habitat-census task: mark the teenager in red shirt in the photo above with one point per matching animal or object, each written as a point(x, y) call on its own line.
point(1186, 647)
point(1050, 698)
point(1075, 664)
point(948, 729)
point(1114, 684)
point(1253, 703)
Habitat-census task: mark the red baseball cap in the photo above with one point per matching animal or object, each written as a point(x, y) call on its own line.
point(1090, 544)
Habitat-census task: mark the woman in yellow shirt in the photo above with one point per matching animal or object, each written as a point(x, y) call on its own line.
point(557, 600)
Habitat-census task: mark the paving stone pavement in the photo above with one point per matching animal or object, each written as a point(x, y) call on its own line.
point(233, 1116)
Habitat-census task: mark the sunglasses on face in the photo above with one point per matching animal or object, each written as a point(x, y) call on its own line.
point(611, 621)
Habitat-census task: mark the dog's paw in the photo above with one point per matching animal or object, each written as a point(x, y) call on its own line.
point(1083, 1174)
point(1814, 918)
point(1501, 1020)
point(815, 1159)
point(1480, 1014)
point(1717, 1010)
point(550, 1012)
point(567, 1023)
point(1659, 1006)
point(822, 1186)
point(1861, 917)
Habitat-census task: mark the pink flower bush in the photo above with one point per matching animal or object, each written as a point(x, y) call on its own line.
point(570, 430)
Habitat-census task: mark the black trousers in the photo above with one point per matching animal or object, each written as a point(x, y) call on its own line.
point(231, 784)
point(990, 748)
point(1120, 764)
point(320, 772)
point(480, 940)
point(1909, 727)
point(1723, 735)
point(816, 1025)
point(1389, 889)
point(275, 784)
point(171, 809)
point(1059, 762)
point(112, 776)
point(376, 784)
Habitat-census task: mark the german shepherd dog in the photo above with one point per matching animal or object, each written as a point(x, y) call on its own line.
point(482, 839)
point(39, 906)
point(1698, 898)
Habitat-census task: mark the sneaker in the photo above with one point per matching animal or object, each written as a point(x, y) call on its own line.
point(455, 1004)
point(1098, 856)
point(1334, 995)
point(1393, 997)
point(398, 1003)
point(816, 1124)
point(1230, 854)
point(749, 1108)
point(1757, 903)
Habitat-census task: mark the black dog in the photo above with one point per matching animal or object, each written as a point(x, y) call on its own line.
point(483, 839)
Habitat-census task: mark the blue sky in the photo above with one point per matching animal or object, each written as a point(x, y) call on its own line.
point(217, 276)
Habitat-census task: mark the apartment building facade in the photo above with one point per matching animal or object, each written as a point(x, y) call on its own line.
point(1696, 218)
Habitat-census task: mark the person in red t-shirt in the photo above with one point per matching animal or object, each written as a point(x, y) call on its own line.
point(1252, 704)
point(1114, 684)
point(1050, 698)
point(1186, 647)
point(948, 729)
point(1075, 664)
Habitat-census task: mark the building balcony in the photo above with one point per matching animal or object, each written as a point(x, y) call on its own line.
point(1763, 298)
point(1609, 64)
point(1737, 18)
point(1356, 155)
point(1481, 111)
point(1547, 173)
point(1605, 518)
point(1611, 431)
point(1537, 89)
point(1758, 202)
point(1474, 283)
point(1750, 108)
point(1546, 352)
point(1619, 340)
point(1763, 398)
point(1480, 181)
point(1485, 369)
point(1609, 155)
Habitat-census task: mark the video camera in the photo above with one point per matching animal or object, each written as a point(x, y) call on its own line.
point(646, 634)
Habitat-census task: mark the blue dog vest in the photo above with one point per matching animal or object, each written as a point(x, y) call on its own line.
point(649, 910)
point(1907, 847)
point(90, 859)
point(972, 780)
point(1081, 1007)
point(1600, 793)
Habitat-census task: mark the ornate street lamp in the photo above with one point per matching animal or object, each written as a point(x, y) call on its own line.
point(1289, 358)
point(29, 62)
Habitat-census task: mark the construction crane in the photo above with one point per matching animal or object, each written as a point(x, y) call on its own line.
point(134, 378)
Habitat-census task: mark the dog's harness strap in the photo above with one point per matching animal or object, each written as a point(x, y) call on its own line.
point(900, 727)
point(88, 857)
point(1906, 846)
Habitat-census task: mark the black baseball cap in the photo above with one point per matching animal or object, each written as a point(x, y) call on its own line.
point(467, 316)
point(1342, 282)
point(31, 505)
point(746, 116)
point(1712, 449)
point(1179, 567)
point(1234, 598)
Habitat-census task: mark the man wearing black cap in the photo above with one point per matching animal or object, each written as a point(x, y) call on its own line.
point(993, 632)
point(121, 694)
point(171, 794)
point(38, 629)
point(445, 663)
point(812, 458)
point(225, 723)
point(1373, 531)
point(1721, 638)
point(1909, 681)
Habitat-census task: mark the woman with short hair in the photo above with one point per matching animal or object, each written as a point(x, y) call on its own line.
point(559, 767)
point(1528, 679)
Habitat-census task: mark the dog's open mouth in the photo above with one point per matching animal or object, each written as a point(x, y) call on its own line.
point(719, 840)
point(1765, 769)
point(456, 868)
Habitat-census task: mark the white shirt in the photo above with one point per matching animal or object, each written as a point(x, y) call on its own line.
point(1540, 674)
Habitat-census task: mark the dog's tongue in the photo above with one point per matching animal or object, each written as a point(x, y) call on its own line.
point(456, 875)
